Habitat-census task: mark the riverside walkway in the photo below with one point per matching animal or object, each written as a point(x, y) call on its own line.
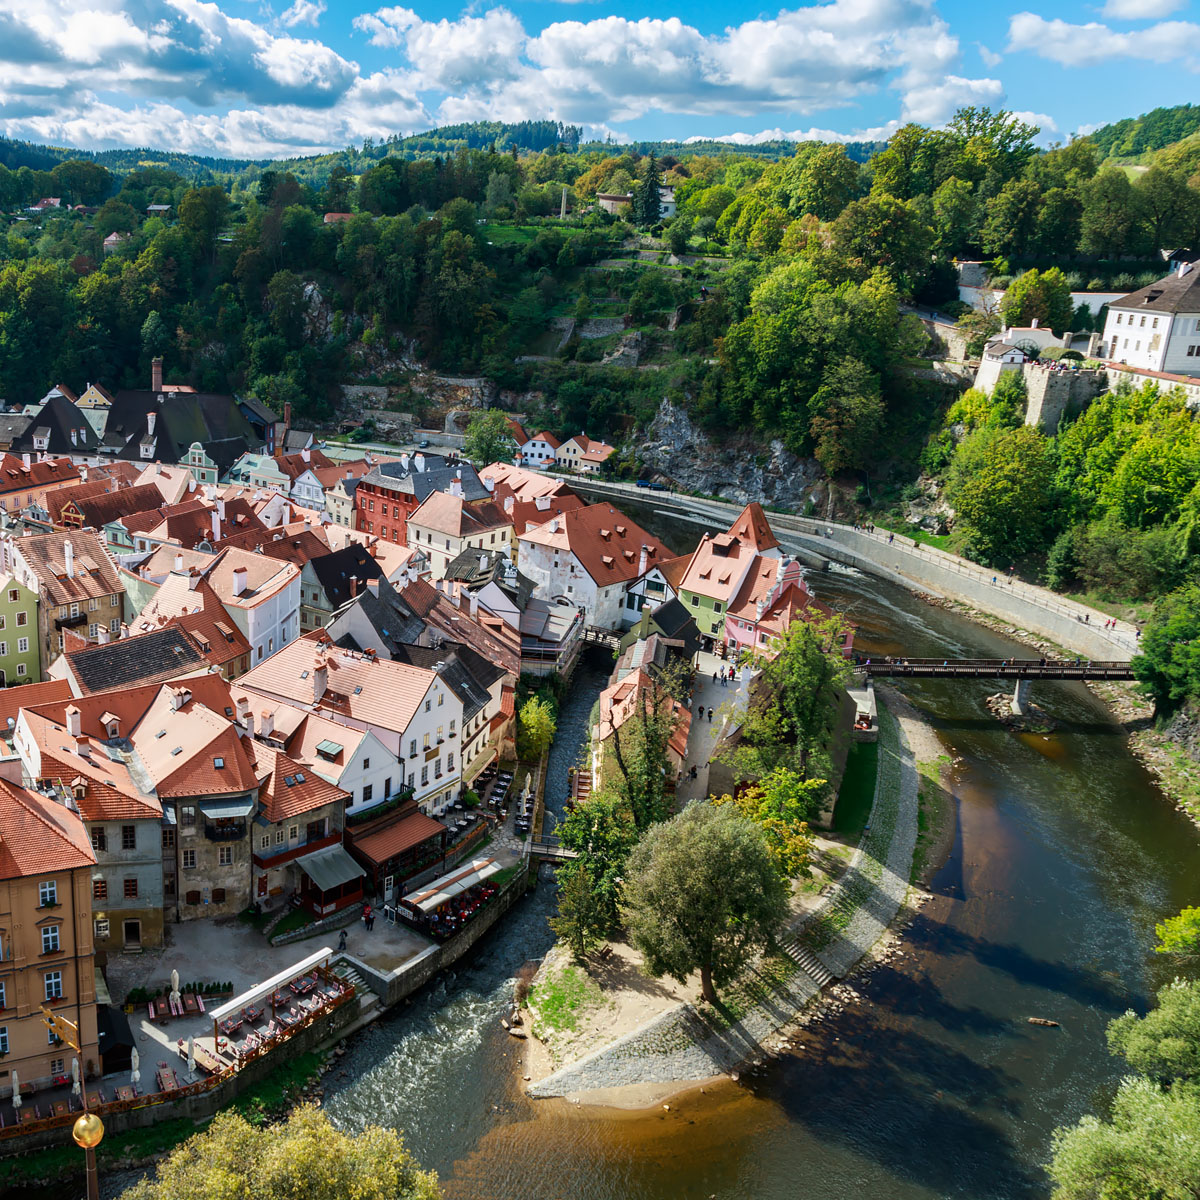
point(993, 668)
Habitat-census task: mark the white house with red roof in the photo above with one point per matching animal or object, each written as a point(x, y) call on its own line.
point(584, 454)
point(541, 450)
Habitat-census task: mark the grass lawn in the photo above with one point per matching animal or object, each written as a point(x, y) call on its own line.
point(564, 997)
point(939, 540)
point(507, 235)
point(857, 792)
point(296, 919)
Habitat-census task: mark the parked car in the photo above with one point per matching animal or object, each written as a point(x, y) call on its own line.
point(423, 444)
point(658, 486)
point(643, 483)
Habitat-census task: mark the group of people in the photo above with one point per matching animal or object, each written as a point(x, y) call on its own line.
point(725, 676)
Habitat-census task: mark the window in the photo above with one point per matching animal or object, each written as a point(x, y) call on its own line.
point(128, 837)
point(279, 837)
point(99, 839)
point(131, 887)
point(225, 856)
point(47, 893)
point(189, 815)
point(93, 604)
point(437, 769)
point(189, 860)
point(441, 697)
point(101, 928)
point(412, 748)
point(3, 1039)
point(717, 607)
point(264, 842)
point(22, 618)
point(13, 595)
point(53, 982)
point(193, 897)
point(450, 761)
point(169, 886)
point(23, 645)
point(93, 630)
point(168, 839)
point(367, 792)
point(695, 601)
point(424, 776)
point(412, 780)
point(218, 895)
point(293, 832)
point(50, 942)
point(3, 649)
point(425, 742)
point(366, 764)
point(441, 734)
point(387, 787)
point(428, 706)
point(20, 668)
point(114, 626)
point(99, 889)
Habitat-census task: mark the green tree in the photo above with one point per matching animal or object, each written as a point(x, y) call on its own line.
point(286, 305)
point(1012, 220)
point(880, 233)
point(1042, 296)
point(847, 416)
point(581, 921)
point(826, 184)
point(703, 894)
point(535, 729)
point(647, 200)
point(1167, 207)
point(1168, 668)
point(1001, 485)
point(955, 216)
point(498, 201)
point(488, 438)
point(1164, 1045)
point(603, 832)
point(1110, 214)
point(202, 213)
point(781, 805)
point(679, 235)
point(156, 337)
point(304, 1156)
point(1179, 934)
point(1148, 1150)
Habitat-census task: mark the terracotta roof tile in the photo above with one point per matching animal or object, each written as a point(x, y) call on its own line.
point(402, 833)
point(281, 799)
point(607, 543)
point(94, 573)
point(38, 836)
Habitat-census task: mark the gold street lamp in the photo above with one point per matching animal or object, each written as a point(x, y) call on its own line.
point(88, 1131)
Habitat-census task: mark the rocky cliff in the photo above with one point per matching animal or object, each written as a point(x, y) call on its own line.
point(736, 467)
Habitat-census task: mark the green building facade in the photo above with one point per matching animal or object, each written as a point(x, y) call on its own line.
point(19, 650)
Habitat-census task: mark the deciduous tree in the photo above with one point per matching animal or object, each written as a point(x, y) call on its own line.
point(1180, 934)
point(488, 438)
point(535, 729)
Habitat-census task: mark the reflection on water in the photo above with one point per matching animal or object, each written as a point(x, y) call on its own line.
point(935, 1085)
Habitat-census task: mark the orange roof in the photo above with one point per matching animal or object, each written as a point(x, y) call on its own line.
point(674, 569)
point(607, 543)
point(396, 836)
point(305, 735)
point(517, 430)
point(188, 600)
point(294, 465)
point(102, 790)
point(38, 836)
point(548, 438)
point(287, 788)
point(717, 566)
point(13, 699)
point(753, 529)
point(368, 689)
point(94, 573)
point(15, 476)
point(444, 513)
point(621, 700)
point(785, 596)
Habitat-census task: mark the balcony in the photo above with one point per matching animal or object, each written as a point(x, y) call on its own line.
point(232, 832)
point(77, 619)
point(276, 856)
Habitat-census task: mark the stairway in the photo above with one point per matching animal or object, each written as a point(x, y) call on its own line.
point(806, 960)
point(367, 998)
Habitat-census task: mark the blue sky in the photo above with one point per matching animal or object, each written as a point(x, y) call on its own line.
point(255, 78)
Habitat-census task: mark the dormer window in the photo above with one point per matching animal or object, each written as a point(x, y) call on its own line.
point(41, 443)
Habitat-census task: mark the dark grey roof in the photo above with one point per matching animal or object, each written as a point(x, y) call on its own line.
point(297, 439)
point(257, 410)
point(465, 568)
point(12, 425)
point(403, 476)
point(333, 572)
point(181, 418)
point(125, 662)
point(57, 418)
point(1171, 294)
point(391, 618)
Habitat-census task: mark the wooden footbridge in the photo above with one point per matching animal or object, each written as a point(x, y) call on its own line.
point(551, 849)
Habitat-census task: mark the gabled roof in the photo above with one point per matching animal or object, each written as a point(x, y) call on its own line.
point(490, 636)
point(15, 476)
point(467, 674)
point(186, 599)
point(258, 410)
point(13, 699)
point(336, 569)
point(459, 517)
point(607, 544)
point(292, 466)
point(99, 509)
point(622, 700)
point(93, 572)
point(287, 788)
point(38, 836)
point(151, 657)
point(546, 437)
point(190, 523)
point(181, 418)
point(58, 419)
point(401, 476)
point(516, 431)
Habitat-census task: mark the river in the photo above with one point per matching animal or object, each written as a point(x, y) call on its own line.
point(934, 1084)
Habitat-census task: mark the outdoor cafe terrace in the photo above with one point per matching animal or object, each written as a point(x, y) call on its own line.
point(211, 1046)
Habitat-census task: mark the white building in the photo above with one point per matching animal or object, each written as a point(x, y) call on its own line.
point(1157, 328)
point(540, 450)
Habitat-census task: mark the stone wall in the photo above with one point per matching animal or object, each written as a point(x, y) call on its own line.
point(1055, 394)
point(946, 340)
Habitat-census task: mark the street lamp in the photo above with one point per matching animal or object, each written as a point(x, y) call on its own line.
point(88, 1132)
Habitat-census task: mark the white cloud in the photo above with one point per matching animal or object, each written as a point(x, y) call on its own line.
point(879, 134)
point(1141, 10)
point(934, 103)
point(303, 12)
point(990, 58)
point(1093, 43)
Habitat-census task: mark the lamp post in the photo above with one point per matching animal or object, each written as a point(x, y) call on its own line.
point(88, 1132)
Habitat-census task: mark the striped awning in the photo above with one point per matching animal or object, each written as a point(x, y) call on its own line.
point(454, 884)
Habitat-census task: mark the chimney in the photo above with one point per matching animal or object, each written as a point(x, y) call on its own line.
point(320, 676)
point(474, 609)
point(542, 503)
point(83, 473)
point(306, 455)
point(239, 580)
point(287, 415)
point(83, 747)
point(151, 418)
point(250, 723)
point(1184, 268)
point(156, 374)
point(243, 709)
point(353, 586)
point(483, 562)
point(373, 587)
point(102, 635)
point(221, 509)
point(404, 462)
point(74, 721)
point(759, 609)
point(193, 580)
point(69, 558)
point(510, 502)
point(419, 463)
point(266, 723)
point(179, 697)
point(643, 559)
point(488, 482)
point(179, 562)
point(1034, 323)
point(192, 484)
point(554, 525)
point(216, 526)
point(124, 630)
point(456, 488)
point(25, 460)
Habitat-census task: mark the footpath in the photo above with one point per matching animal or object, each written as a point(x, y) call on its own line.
point(688, 1044)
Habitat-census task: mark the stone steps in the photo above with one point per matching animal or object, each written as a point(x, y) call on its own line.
point(807, 961)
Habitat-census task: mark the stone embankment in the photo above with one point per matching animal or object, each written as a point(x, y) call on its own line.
point(687, 1043)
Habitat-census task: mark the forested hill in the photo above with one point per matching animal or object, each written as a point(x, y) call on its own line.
point(1155, 130)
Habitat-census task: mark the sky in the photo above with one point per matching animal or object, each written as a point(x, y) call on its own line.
point(254, 79)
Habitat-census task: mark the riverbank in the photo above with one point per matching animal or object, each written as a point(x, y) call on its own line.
point(689, 1044)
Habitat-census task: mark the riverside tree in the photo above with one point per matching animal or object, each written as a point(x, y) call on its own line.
point(1180, 935)
point(488, 438)
point(781, 804)
point(1168, 667)
point(703, 894)
point(304, 1156)
point(535, 729)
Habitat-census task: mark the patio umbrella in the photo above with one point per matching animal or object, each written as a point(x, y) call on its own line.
point(16, 1096)
point(191, 1053)
point(175, 987)
point(135, 1061)
point(76, 1086)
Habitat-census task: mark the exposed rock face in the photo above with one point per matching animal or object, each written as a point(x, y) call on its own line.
point(1184, 730)
point(627, 351)
point(929, 510)
point(738, 469)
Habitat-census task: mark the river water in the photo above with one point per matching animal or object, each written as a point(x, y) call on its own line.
point(934, 1084)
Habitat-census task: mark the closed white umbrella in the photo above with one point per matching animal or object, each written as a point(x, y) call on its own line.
point(16, 1096)
point(135, 1061)
point(174, 987)
point(191, 1053)
point(76, 1086)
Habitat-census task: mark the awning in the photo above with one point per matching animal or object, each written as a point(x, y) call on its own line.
point(260, 991)
point(330, 868)
point(454, 884)
point(243, 806)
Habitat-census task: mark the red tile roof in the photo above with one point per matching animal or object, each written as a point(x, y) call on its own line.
point(16, 477)
point(452, 515)
point(753, 529)
point(622, 700)
point(13, 699)
point(94, 573)
point(190, 602)
point(38, 836)
point(282, 800)
point(607, 543)
point(402, 833)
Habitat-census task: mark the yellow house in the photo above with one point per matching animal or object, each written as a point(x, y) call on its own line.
point(46, 953)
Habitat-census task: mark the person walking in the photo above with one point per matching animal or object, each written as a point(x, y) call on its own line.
point(710, 712)
point(342, 940)
point(367, 916)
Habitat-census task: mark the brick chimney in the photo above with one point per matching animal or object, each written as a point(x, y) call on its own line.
point(287, 416)
point(266, 723)
point(156, 374)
